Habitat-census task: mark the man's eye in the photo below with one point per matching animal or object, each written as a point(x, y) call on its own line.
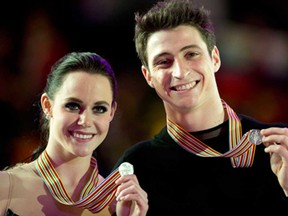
point(162, 62)
point(192, 54)
point(100, 109)
point(72, 106)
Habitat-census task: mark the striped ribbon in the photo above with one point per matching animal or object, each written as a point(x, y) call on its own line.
point(94, 198)
point(241, 150)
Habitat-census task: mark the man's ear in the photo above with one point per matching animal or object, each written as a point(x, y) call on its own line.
point(147, 76)
point(46, 105)
point(216, 59)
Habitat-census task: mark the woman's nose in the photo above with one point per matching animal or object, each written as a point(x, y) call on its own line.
point(85, 119)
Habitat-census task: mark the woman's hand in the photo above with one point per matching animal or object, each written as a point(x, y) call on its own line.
point(131, 199)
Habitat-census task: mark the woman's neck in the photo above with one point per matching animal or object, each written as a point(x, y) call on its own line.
point(71, 169)
point(74, 173)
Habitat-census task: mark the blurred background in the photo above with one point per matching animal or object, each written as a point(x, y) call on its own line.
point(252, 39)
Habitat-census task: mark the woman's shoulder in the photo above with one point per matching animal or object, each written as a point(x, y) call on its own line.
point(4, 191)
point(15, 182)
point(19, 171)
point(15, 175)
point(4, 179)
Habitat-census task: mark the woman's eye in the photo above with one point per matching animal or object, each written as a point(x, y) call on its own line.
point(72, 106)
point(100, 109)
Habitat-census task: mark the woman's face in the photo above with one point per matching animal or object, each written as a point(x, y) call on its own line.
point(80, 114)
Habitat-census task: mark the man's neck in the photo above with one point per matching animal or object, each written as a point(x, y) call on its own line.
point(202, 117)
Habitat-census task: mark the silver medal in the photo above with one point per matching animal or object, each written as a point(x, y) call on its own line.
point(255, 137)
point(126, 169)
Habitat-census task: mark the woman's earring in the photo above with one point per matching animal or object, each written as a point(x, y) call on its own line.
point(47, 115)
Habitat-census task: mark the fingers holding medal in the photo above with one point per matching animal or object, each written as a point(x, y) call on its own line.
point(276, 141)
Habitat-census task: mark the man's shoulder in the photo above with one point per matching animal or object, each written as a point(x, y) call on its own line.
point(154, 141)
point(140, 145)
point(249, 121)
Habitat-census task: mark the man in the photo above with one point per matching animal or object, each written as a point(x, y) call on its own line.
point(205, 161)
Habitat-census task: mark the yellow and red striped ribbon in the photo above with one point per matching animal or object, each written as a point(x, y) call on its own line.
point(241, 150)
point(94, 198)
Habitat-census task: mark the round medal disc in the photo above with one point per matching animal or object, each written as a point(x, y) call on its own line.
point(126, 169)
point(255, 137)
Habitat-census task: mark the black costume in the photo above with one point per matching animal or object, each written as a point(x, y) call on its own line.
point(10, 213)
point(180, 183)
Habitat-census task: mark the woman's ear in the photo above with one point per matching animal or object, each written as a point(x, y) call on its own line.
point(46, 105)
point(147, 76)
point(113, 110)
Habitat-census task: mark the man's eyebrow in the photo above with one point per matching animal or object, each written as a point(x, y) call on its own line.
point(189, 47)
point(181, 50)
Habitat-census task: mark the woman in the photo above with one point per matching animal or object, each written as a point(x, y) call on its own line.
point(78, 104)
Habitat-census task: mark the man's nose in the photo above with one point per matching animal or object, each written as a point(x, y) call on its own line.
point(180, 69)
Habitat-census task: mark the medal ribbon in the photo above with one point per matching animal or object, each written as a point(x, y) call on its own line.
point(241, 150)
point(93, 197)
